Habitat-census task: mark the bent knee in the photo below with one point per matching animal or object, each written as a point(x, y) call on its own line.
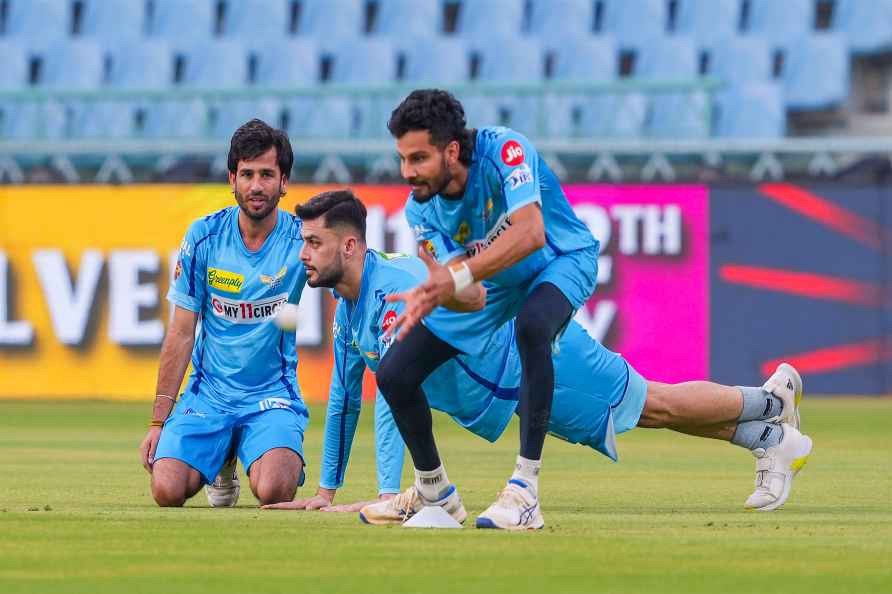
point(267, 493)
point(168, 495)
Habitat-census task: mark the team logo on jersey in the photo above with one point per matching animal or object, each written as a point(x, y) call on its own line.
point(373, 355)
point(389, 319)
point(224, 280)
point(247, 312)
point(428, 246)
point(475, 247)
point(512, 153)
point(463, 231)
point(520, 177)
point(178, 270)
point(274, 280)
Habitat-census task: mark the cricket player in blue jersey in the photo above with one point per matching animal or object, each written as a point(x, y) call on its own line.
point(597, 394)
point(236, 267)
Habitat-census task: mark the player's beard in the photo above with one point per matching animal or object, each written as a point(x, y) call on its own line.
point(433, 187)
point(258, 215)
point(330, 277)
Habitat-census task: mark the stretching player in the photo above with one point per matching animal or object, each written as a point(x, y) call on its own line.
point(235, 268)
point(488, 207)
point(597, 394)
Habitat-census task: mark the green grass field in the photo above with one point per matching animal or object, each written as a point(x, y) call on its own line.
point(76, 515)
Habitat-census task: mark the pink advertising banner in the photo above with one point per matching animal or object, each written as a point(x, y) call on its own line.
point(652, 300)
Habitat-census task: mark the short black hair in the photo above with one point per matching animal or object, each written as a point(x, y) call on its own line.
point(339, 207)
point(255, 138)
point(438, 112)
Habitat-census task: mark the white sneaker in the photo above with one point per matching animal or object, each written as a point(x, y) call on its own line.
point(225, 489)
point(408, 503)
point(517, 508)
point(775, 469)
point(786, 384)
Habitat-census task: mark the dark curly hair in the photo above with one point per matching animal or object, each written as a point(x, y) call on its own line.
point(438, 112)
point(255, 138)
point(339, 207)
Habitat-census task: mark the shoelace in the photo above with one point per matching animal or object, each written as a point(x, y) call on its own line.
point(405, 501)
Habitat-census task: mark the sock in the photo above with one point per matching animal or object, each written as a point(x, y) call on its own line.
point(528, 471)
point(757, 434)
point(431, 483)
point(759, 404)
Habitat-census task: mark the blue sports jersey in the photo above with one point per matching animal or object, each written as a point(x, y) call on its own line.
point(596, 393)
point(240, 357)
point(358, 342)
point(505, 174)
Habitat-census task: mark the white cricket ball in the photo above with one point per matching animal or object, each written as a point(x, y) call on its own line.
point(287, 317)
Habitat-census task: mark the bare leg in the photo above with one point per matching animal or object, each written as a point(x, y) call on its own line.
point(274, 476)
point(173, 482)
point(698, 408)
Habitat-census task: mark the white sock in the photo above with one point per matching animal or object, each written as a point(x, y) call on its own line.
point(431, 483)
point(528, 472)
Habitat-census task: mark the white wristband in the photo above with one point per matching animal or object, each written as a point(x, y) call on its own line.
point(461, 276)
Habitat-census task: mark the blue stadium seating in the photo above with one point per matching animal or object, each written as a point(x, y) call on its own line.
point(332, 20)
point(484, 20)
point(679, 115)
point(816, 72)
point(440, 60)
point(366, 61)
point(179, 20)
point(292, 63)
point(562, 19)
point(867, 25)
point(708, 21)
point(257, 19)
point(741, 60)
point(663, 58)
point(230, 115)
point(333, 117)
point(107, 20)
point(510, 59)
point(143, 64)
point(635, 22)
point(72, 65)
point(584, 58)
point(413, 18)
point(14, 74)
point(38, 19)
point(780, 22)
point(755, 111)
point(214, 64)
point(176, 119)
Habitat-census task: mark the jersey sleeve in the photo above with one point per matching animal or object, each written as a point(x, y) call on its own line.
point(514, 166)
point(344, 402)
point(439, 245)
point(188, 289)
point(389, 448)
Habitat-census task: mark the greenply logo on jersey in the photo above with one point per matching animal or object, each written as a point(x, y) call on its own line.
point(225, 280)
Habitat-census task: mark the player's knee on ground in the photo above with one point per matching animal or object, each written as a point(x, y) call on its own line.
point(168, 492)
point(275, 475)
point(173, 482)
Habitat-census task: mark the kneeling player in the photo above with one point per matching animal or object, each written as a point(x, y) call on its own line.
point(597, 394)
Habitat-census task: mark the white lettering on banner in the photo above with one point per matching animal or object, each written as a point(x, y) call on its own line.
point(658, 223)
point(403, 237)
point(70, 303)
point(374, 228)
point(127, 297)
point(12, 333)
point(309, 331)
point(247, 312)
point(597, 323)
point(598, 222)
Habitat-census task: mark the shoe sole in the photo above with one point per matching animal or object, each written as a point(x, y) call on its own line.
point(795, 467)
point(486, 523)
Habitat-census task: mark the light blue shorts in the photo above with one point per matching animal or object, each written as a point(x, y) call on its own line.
point(575, 274)
point(204, 437)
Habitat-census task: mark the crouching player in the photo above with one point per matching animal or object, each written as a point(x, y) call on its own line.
point(235, 268)
point(597, 394)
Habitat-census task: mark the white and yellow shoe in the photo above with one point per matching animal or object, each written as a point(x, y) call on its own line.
point(408, 503)
point(786, 384)
point(775, 469)
point(517, 508)
point(225, 489)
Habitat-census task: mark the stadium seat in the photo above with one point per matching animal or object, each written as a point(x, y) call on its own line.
point(754, 111)
point(292, 63)
point(679, 116)
point(179, 21)
point(667, 58)
point(635, 22)
point(331, 20)
point(106, 20)
point(866, 25)
point(176, 119)
point(412, 18)
point(494, 18)
point(816, 72)
point(214, 65)
point(142, 64)
point(38, 20)
point(265, 20)
point(613, 115)
point(440, 60)
point(511, 59)
point(322, 118)
point(562, 19)
point(367, 61)
point(72, 65)
point(50, 120)
point(708, 21)
point(583, 59)
point(780, 22)
point(741, 60)
point(228, 116)
point(14, 74)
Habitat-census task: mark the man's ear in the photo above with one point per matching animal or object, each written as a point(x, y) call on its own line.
point(350, 246)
